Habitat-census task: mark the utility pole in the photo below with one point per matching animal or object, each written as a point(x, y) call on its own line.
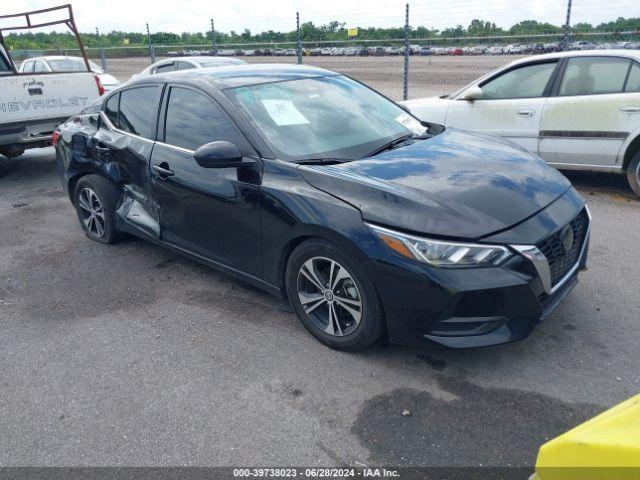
point(298, 42)
point(103, 60)
point(567, 27)
point(405, 83)
point(214, 46)
point(152, 54)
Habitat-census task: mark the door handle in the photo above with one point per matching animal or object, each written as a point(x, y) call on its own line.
point(525, 112)
point(163, 170)
point(633, 109)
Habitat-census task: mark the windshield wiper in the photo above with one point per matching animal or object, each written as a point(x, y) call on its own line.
point(321, 161)
point(395, 142)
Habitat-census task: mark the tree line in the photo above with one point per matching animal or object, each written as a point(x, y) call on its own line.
point(309, 32)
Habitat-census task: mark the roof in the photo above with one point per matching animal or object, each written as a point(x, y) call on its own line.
point(635, 54)
point(243, 75)
point(200, 58)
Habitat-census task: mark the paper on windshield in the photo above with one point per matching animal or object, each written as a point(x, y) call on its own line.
point(284, 112)
point(411, 123)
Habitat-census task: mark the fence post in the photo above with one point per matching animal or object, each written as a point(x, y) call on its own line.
point(214, 45)
point(298, 42)
point(567, 27)
point(152, 54)
point(103, 60)
point(405, 79)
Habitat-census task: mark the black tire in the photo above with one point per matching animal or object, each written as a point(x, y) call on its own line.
point(633, 173)
point(371, 326)
point(11, 154)
point(107, 195)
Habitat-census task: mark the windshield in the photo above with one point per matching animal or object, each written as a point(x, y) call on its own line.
point(71, 65)
point(330, 117)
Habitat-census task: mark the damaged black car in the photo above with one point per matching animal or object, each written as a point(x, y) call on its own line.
point(316, 188)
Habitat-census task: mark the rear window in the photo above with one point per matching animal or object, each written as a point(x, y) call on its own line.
point(67, 65)
point(594, 75)
point(111, 110)
point(4, 64)
point(138, 111)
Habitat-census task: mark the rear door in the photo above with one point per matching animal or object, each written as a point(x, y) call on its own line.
point(511, 104)
point(212, 212)
point(594, 107)
point(125, 142)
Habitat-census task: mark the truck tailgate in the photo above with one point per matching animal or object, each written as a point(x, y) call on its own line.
point(38, 97)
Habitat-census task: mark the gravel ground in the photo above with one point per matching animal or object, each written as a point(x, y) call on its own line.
point(130, 355)
point(427, 75)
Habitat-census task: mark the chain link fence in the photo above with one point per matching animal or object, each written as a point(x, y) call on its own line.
point(405, 60)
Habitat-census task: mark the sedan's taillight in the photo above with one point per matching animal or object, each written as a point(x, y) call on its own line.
point(101, 90)
point(55, 137)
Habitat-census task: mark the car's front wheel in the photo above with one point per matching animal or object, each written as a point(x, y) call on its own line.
point(95, 199)
point(333, 296)
point(633, 173)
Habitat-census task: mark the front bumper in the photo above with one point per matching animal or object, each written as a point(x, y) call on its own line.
point(462, 308)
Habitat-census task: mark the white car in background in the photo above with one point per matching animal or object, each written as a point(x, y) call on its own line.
point(186, 63)
point(577, 110)
point(62, 63)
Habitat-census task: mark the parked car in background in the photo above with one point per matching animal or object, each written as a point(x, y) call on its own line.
point(60, 63)
point(33, 102)
point(577, 110)
point(424, 51)
point(186, 63)
point(314, 187)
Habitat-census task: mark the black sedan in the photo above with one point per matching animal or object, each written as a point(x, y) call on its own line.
point(316, 188)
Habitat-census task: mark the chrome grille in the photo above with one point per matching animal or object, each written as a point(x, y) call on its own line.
point(553, 247)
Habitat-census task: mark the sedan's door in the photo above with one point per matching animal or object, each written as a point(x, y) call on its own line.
point(510, 106)
point(212, 212)
point(591, 112)
point(124, 143)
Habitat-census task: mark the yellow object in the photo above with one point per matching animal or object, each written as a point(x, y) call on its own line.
point(607, 447)
point(352, 32)
point(125, 41)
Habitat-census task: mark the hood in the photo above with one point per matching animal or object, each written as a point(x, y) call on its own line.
point(457, 184)
point(431, 109)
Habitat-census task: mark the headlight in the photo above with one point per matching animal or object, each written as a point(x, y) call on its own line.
point(440, 253)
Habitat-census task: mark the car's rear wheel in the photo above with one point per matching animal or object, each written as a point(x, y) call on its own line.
point(95, 199)
point(633, 173)
point(333, 296)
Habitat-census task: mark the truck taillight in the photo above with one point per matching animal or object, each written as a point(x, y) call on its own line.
point(101, 90)
point(55, 137)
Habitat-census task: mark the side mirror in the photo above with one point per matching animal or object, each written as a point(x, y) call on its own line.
point(218, 155)
point(471, 94)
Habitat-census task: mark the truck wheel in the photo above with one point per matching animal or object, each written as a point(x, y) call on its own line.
point(11, 153)
point(633, 173)
point(96, 199)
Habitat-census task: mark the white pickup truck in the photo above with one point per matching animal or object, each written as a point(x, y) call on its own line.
point(31, 105)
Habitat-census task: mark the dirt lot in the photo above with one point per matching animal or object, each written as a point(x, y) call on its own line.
point(130, 355)
point(427, 75)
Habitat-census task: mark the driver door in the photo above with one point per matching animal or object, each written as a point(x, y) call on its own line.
point(511, 104)
point(211, 212)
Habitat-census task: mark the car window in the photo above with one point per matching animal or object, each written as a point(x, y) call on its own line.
point(193, 119)
point(138, 111)
point(594, 75)
point(111, 110)
point(633, 82)
point(524, 82)
point(68, 65)
point(40, 67)
point(167, 67)
point(28, 67)
point(185, 66)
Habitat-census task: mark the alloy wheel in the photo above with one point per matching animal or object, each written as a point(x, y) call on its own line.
point(91, 212)
point(329, 296)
